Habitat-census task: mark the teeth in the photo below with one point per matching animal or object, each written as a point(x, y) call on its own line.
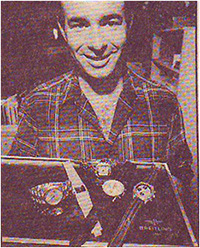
point(99, 62)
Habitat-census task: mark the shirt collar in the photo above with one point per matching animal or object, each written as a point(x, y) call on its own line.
point(132, 87)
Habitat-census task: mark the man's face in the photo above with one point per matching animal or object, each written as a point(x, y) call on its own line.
point(96, 33)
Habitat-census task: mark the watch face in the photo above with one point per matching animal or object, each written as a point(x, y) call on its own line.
point(113, 188)
point(53, 196)
point(144, 191)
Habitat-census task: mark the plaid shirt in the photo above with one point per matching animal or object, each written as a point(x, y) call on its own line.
point(57, 120)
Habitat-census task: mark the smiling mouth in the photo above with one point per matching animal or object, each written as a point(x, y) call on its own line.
point(98, 62)
point(99, 58)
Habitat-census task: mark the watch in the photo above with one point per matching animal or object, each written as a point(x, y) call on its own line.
point(113, 188)
point(53, 196)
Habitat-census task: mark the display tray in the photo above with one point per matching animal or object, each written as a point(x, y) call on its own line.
point(160, 220)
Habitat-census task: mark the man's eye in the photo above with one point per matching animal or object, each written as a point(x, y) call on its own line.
point(78, 25)
point(112, 23)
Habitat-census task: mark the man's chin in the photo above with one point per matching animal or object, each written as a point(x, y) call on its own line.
point(109, 72)
point(103, 82)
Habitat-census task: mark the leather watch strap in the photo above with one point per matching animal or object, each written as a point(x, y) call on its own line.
point(79, 188)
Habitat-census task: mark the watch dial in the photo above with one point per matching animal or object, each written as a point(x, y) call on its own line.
point(54, 196)
point(113, 188)
point(144, 191)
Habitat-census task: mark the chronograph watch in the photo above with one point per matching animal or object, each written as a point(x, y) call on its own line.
point(48, 198)
point(113, 188)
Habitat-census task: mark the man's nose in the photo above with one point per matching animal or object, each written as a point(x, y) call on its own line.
point(98, 51)
point(97, 40)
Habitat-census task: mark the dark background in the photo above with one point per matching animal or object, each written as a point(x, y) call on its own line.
point(30, 55)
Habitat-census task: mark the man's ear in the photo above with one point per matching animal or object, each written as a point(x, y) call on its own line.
point(55, 33)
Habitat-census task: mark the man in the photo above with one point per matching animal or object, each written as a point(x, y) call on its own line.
point(102, 109)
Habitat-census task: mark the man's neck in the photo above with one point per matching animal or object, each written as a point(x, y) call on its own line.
point(86, 87)
point(102, 86)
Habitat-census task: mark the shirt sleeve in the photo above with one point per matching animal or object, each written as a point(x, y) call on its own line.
point(179, 155)
point(25, 141)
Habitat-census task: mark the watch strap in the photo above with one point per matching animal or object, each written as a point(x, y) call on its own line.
point(79, 188)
